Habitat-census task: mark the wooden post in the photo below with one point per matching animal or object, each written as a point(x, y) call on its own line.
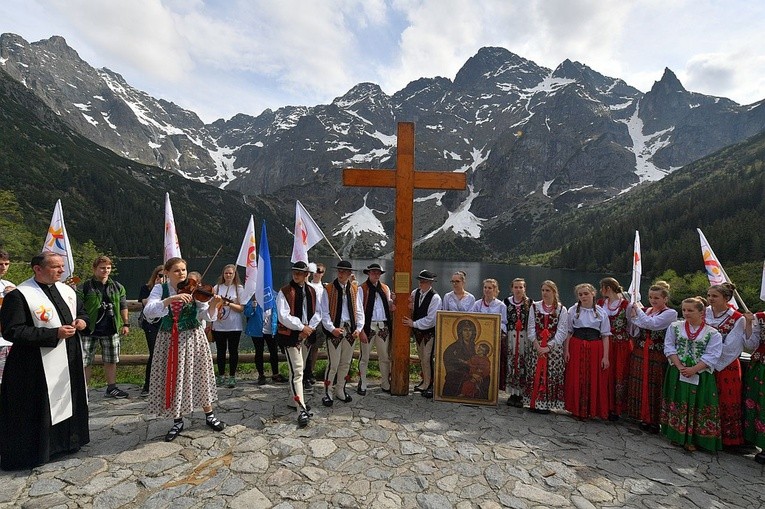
point(405, 180)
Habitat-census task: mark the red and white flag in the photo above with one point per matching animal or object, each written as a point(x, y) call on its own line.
point(637, 270)
point(715, 272)
point(172, 248)
point(307, 234)
point(57, 241)
point(248, 258)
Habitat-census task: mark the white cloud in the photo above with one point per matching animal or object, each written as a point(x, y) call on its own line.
point(219, 58)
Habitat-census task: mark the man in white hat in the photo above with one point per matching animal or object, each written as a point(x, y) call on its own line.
point(378, 310)
point(299, 315)
point(343, 319)
point(426, 302)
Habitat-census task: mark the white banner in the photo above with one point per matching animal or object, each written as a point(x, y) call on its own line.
point(637, 270)
point(172, 248)
point(307, 234)
point(248, 258)
point(57, 241)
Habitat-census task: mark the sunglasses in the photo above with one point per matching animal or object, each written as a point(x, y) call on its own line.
point(455, 281)
point(320, 272)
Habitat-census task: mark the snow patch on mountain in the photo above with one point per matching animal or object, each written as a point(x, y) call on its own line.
point(359, 221)
point(644, 146)
point(435, 196)
point(462, 222)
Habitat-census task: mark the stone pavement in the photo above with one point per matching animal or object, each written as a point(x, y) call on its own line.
point(378, 451)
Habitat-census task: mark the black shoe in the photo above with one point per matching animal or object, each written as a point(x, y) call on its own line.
point(174, 431)
point(418, 388)
point(427, 393)
point(542, 411)
point(303, 419)
point(515, 401)
point(262, 380)
point(644, 426)
point(360, 391)
point(386, 391)
point(215, 423)
point(347, 399)
point(760, 458)
point(613, 417)
point(327, 401)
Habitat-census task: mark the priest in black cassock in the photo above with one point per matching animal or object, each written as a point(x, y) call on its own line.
point(43, 401)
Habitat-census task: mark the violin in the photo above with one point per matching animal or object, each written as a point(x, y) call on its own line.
point(198, 290)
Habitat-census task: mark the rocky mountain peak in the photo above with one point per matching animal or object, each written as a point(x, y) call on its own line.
point(361, 93)
point(487, 64)
point(667, 84)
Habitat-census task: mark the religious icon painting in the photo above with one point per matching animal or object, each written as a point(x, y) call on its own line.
point(467, 358)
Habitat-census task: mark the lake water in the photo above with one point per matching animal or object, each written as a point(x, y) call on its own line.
point(133, 273)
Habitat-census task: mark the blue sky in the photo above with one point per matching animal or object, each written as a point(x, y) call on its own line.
point(219, 58)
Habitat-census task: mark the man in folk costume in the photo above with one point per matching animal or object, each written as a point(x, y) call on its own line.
point(377, 306)
point(512, 369)
point(343, 319)
point(316, 340)
point(43, 401)
point(425, 303)
point(299, 315)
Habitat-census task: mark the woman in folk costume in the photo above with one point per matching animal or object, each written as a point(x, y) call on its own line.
point(586, 354)
point(754, 385)
point(183, 377)
point(512, 362)
point(690, 414)
point(227, 329)
point(458, 299)
point(489, 303)
point(545, 365)
point(620, 345)
point(730, 324)
point(648, 364)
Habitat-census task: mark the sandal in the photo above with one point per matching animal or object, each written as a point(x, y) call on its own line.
point(174, 431)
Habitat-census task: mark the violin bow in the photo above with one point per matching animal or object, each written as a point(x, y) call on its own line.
point(211, 262)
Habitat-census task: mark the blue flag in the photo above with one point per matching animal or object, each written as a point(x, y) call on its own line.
point(264, 288)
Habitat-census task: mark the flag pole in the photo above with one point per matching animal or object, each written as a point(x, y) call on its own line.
point(735, 292)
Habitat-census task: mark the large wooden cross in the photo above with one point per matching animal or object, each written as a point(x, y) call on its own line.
point(405, 180)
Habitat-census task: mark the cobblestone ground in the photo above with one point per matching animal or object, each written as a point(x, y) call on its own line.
point(378, 451)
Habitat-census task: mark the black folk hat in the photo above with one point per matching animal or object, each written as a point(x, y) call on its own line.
point(374, 266)
point(300, 266)
point(426, 275)
point(344, 265)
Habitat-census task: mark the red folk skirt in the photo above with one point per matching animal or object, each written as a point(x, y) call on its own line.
point(586, 382)
point(729, 389)
point(619, 352)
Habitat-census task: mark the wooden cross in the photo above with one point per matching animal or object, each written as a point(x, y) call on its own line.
point(405, 180)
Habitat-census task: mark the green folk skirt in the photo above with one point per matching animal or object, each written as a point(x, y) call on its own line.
point(690, 414)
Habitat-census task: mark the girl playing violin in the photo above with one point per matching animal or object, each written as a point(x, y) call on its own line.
point(183, 376)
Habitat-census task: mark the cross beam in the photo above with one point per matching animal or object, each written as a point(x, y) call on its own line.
point(405, 180)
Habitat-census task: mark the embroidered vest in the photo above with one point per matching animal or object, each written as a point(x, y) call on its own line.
point(512, 313)
point(727, 325)
point(187, 318)
point(618, 321)
point(289, 294)
point(552, 322)
point(332, 298)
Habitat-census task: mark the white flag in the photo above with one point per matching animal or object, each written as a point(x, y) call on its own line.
point(172, 248)
point(762, 286)
point(637, 270)
point(307, 234)
point(57, 241)
point(248, 259)
point(715, 272)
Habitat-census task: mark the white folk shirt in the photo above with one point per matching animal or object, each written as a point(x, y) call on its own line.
point(452, 303)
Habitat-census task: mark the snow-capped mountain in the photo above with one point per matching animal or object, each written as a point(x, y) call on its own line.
point(532, 141)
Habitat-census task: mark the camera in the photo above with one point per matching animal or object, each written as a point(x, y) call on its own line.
point(108, 308)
